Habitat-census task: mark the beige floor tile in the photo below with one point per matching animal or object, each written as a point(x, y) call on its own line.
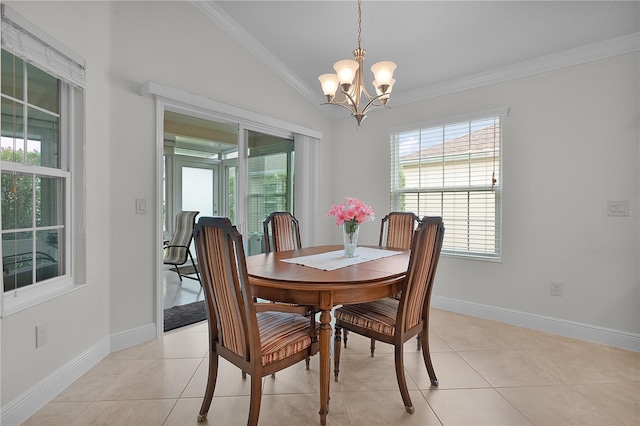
point(502, 368)
point(387, 408)
point(93, 383)
point(228, 383)
point(541, 378)
point(451, 370)
point(473, 407)
point(620, 400)
point(586, 366)
point(188, 344)
point(148, 379)
point(471, 338)
point(297, 379)
point(360, 372)
point(185, 413)
point(556, 405)
point(300, 409)
point(138, 412)
point(56, 413)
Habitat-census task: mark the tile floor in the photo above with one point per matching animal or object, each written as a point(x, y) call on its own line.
point(179, 293)
point(490, 374)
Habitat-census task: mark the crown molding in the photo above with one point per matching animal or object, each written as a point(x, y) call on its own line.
point(217, 15)
point(577, 56)
point(567, 58)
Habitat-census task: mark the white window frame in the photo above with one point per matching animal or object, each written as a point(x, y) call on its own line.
point(27, 42)
point(398, 191)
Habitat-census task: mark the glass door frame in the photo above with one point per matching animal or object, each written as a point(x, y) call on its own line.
point(306, 146)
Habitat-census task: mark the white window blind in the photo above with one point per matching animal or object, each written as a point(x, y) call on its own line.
point(452, 169)
point(26, 41)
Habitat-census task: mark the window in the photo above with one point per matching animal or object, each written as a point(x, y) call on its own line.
point(452, 169)
point(42, 104)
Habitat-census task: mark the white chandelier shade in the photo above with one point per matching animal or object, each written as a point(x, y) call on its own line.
point(349, 82)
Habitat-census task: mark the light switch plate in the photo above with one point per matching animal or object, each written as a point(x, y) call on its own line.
point(141, 206)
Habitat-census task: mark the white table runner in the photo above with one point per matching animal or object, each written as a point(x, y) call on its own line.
point(335, 259)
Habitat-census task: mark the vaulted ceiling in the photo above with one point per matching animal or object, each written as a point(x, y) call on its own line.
point(439, 46)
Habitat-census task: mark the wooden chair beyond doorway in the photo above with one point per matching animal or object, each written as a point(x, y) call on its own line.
point(258, 338)
point(281, 232)
point(396, 321)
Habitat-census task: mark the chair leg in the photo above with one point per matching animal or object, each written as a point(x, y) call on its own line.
point(418, 345)
point(195, 268)
point(211, 386)
point(179, 273)
point(402, 382)
point(426, 354)
point(346, 332)
point(256, 397)
point(336, 353)
point(373, 346)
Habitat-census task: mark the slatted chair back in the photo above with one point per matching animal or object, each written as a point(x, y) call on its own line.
point(177, 250)
point(396, 230)
point(231, 315)
point(281, 232)
point(259, 338)
point(425, 254)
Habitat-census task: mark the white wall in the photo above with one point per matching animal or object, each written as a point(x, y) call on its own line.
point(126, 44)
point(582, 122)
point(174, 44)
point(79, 320)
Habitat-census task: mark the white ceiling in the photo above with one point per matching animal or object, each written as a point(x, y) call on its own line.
point(438, 45)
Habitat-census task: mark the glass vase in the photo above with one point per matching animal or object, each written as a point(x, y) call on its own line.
point(350, 234)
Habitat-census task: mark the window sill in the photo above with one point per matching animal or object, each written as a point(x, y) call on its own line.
point(13, 303)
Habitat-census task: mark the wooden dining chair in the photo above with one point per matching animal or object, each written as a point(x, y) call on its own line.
point(396, 230)
point(396, 321)
point(177, 251)
point(258, 338)
point(281, 232)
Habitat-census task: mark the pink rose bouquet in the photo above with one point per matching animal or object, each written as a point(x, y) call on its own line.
point(352, 212)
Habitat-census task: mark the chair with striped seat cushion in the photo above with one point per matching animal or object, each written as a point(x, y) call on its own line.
point(396, 232)
point(258, 338)
point(396, 321)
point(281, 232)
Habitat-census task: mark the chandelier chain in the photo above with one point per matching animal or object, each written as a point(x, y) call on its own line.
point(359, 22)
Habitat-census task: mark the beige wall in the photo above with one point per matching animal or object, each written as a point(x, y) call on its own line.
point(582, 124)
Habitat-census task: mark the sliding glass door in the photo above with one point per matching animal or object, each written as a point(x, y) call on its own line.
point(202, 172)
point(270, 162)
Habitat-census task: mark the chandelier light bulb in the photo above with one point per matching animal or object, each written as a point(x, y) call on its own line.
point(346, 70)
point(383, 72)
point(329, 84)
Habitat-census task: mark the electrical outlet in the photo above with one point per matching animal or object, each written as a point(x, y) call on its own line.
point(42, 334)
point(556, 288)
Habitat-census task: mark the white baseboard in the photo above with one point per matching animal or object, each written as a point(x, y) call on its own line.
point(590, 333)
point(23, 407)
point(135, 336)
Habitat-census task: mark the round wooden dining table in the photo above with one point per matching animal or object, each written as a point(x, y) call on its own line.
point(273, 279)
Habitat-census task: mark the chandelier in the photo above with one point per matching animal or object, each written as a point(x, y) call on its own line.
point(353, 95)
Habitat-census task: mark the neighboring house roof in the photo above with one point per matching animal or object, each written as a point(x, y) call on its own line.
point(478, 141)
